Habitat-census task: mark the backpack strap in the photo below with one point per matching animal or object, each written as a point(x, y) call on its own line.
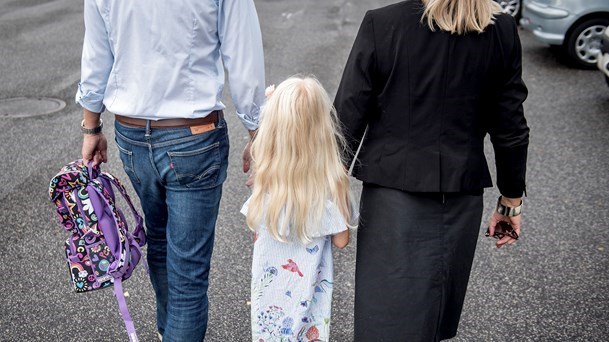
point(103, 191)
point(138, 231)
point(111, 219)
point(134, 241)
point(122, 305)
point(138, 234)
point(359, 148)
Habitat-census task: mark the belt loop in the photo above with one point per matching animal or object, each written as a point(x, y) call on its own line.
point(148, 131)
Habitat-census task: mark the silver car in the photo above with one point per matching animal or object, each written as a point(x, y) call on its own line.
point(574, 27)
point(603, 59)
point(511, 7)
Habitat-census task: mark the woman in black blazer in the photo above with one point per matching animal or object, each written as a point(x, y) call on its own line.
point(429, 78)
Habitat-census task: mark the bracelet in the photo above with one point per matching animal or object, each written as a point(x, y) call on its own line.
point(95, 130)
point(508, 211)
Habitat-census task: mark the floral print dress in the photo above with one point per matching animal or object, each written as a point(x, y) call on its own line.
point(292, 283)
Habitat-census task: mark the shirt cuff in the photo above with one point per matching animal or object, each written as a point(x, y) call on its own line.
point(90, 100)
point(250, 121)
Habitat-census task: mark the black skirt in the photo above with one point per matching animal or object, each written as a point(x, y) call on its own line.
point(414, 256)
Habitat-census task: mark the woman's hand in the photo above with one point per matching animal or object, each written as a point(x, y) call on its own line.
point(514, 221)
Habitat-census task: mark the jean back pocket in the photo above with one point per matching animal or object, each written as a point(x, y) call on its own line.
point(197, 168)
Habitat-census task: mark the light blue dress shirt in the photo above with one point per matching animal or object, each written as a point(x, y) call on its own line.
point(158, 59)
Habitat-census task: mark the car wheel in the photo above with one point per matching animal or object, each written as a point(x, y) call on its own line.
point(584, 42)
point(511, 7)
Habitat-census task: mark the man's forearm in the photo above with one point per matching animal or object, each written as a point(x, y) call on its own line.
point(91, 119)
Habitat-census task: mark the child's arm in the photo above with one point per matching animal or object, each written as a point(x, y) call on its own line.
point(341, 239)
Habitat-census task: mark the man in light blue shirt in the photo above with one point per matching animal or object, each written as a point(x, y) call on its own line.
point(158, 65)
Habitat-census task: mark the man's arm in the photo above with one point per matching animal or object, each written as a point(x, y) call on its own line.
point(94, 145)
point(96, 64)
point(243, 57)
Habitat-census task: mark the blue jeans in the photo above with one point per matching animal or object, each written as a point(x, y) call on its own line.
point(178, 177)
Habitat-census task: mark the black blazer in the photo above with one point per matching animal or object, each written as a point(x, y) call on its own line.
point(429, 99)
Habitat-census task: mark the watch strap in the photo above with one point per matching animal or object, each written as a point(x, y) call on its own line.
point(508, 211)
point(94, 130)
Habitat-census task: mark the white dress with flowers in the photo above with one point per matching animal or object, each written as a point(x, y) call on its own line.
point(292, 283)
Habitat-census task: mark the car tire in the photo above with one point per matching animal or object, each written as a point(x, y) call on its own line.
point(511, 7)
point(607, 80)
point(583, 43)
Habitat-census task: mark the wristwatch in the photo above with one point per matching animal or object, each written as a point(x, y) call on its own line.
point(508, 211)
point(95, 130)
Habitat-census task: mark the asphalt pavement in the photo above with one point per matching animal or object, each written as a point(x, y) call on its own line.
point(553, 285)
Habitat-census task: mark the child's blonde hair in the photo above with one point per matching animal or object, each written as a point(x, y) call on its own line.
point(297, 160)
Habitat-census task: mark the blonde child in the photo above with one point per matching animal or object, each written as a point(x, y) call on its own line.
point(300, 205)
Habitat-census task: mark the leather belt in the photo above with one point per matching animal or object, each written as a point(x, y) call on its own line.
point(178, 122)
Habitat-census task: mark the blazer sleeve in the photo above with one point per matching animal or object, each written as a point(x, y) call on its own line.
point(508, 129)
point(354, 98)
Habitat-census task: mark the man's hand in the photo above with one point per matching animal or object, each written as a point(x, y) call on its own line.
point(247, 156)
point(94, 147)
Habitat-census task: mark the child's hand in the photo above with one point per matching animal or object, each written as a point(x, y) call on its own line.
point(250, 180)
point(269, 91)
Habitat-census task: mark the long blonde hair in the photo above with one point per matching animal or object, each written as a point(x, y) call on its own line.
point(297, 160)
point(460, 16)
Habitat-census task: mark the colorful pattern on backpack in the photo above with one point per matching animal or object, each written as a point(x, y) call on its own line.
point(100, 251)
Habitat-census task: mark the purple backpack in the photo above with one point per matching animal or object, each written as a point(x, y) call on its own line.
point(100, 250)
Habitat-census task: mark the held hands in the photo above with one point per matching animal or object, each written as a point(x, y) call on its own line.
point(247, 157)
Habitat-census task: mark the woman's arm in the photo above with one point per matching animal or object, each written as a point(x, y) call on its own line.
point(341, 240)
point(355, 96)
point(508, 129)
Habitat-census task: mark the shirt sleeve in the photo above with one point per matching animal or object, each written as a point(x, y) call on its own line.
point(508, 130)
point(97, 60)
point(243, 57)
point(333, 222)
point(245, 207)
point(355, 98)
